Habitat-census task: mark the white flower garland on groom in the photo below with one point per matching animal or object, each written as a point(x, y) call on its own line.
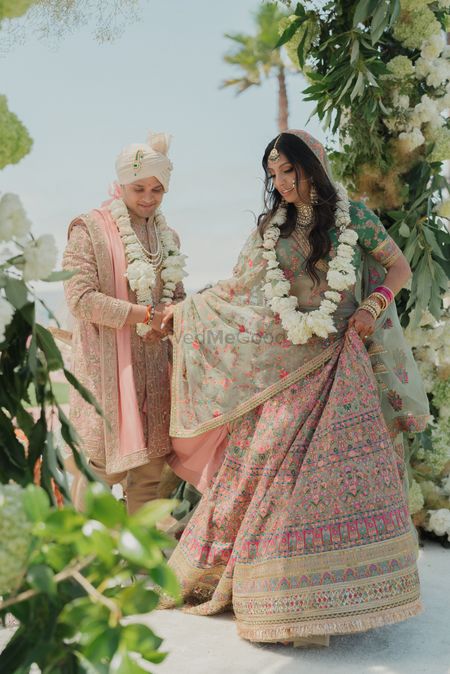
point(141, 273)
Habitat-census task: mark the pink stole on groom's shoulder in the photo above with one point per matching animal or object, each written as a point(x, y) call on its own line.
point(131, 434)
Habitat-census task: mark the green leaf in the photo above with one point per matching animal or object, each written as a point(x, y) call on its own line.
point(36, 503)
point(358, 89)
point(362, 11)
point(153, 512)
point(137, 598)
point(41, 577)
point(354, 55)
point(301, 48)
point(379, 21)
point(60, 275)
point(32, 356)
point(83, 391)
point(46, 342)
point(441, 277)
point(62, 525)
point(138, 549)
point(404, 230)
point(139, 638)
point(97, 540)
point(395, 12)
point(122, 663)
point(16, 292)
point(289, 32)
point(103, 646)
point(82, 615)
point(431, 240)
point(101, 505)
point(167, 580)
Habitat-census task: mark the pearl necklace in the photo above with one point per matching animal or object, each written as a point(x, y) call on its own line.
point(155, 259)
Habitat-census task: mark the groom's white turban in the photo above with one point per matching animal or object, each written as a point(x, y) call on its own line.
point(146, 160)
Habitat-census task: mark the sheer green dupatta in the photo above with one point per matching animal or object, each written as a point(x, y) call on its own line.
point(403, 398)
point(230, 353)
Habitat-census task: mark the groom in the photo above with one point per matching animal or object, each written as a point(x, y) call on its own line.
point(127, 260)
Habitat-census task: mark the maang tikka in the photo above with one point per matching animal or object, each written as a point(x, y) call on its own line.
point(274, 155)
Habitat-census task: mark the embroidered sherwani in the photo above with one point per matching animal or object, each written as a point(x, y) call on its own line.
point(97, 316)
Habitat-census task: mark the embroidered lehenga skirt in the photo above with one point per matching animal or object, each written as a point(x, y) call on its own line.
point(304, 529)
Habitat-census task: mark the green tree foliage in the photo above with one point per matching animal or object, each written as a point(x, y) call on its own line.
point(80, 584)
point(368, 79)
point(257, 59)
point(15, 141)
point(11, 9)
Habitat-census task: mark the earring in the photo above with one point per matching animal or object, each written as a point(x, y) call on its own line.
point(314, 197)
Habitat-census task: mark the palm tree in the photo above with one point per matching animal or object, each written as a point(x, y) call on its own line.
point(257, 58)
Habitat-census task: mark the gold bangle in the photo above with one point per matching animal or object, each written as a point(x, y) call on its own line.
point(381, 299)
point(372, 307)
point(369, 310)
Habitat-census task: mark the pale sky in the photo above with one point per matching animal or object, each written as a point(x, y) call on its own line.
point(82, 101)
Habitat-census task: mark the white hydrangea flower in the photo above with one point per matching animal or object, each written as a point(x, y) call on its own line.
point(438, 73)
point(432, 48)
point(429, 490)
point(412, 139)
point(400, 101)
point(441, 151)
point(415, 498)
point(400, 67)
point(6, 314)
point(439, 522)
point(446, 485)
point(13, 219)
point(40, 258)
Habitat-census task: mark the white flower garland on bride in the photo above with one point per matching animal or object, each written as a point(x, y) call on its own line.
point(140, 273)
point(301, 326)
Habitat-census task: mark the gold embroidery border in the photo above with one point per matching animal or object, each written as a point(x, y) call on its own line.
point(321, 561)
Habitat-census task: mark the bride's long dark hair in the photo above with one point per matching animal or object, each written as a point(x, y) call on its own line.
point(300, 155)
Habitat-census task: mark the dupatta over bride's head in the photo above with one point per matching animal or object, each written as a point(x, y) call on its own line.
point(231, 353)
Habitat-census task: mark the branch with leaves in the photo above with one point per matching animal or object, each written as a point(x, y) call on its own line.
point(378, 72)
point(76, 590)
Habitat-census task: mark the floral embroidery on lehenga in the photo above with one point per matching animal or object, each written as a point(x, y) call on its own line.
point(305, 528)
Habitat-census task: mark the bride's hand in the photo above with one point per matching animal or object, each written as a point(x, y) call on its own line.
point(363, 323)
point(167, 321)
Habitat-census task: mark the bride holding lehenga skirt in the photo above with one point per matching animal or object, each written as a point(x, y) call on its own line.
point(291, 386)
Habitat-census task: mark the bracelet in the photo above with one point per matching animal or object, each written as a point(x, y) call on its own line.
point(372, 306)
point(149, 315)
point(387, 292)
point(370, 310)
point(381, 299)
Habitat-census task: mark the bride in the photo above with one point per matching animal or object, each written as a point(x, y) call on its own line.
point(291, 386)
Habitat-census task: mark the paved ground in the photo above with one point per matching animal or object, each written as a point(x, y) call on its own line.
point(421, 645)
